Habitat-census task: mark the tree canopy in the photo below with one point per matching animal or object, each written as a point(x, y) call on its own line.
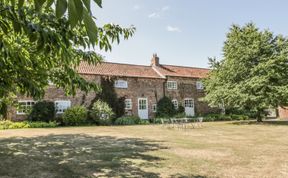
point(253, 73)
point(45, 40)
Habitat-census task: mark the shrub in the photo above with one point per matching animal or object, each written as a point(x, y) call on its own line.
point(26, 124)
point(128, 120)
point(180, 115)
point(101, 113)
point(76, 115)
point(18, 125)
point(181, 109)
point(221, 117)
point(144, 122)
point(50, 124)
point(165, 108)
point(5, 124)
point(42, 111)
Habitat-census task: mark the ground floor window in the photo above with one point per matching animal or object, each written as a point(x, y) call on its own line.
point(128, 104)
point(25, 106)
point(61, 106)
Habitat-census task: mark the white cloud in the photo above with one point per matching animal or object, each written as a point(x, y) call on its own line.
point(173, 29)
point(165, 8)
point(154, 15)
point(159, 13)
point(136, 7)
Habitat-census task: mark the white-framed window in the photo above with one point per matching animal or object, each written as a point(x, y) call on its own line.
point(175, 103)
point(154, 107)
point(189, 103)
point(121, 84)
point(62, 105)
point(128, 104)
point(24, 106)
point(199, 85)
point(172, 85)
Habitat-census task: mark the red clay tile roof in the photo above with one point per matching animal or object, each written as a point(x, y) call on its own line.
point(182, 71)
point(131, 70)
point(117, 69)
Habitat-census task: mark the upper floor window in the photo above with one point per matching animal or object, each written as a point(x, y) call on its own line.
point(175, 103)
point(172, 85)
point(25, 106)
point(62, 106)
point(121, 84)
point(128, 104)
point(199, 85)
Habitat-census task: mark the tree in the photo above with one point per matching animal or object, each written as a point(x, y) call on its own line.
point(165, 107)
point(253, 73)
point(40, 43)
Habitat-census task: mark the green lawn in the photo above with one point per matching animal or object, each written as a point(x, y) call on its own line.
point(220, 149)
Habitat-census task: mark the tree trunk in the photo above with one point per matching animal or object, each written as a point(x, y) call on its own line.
point(259, 119)
point(259, 115)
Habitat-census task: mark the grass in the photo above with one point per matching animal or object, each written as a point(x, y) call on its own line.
point(222, 149)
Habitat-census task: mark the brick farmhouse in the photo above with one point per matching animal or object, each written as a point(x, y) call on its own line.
point(142, 86)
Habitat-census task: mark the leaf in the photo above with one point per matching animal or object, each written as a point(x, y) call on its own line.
point(73, 16)
point(91, 28)
point(79, 9)
point(12, 3)
point(87, 4)
point(61, 7)
point(49, 3)
point(39, 4)
point(98, 2)
point(20, 4)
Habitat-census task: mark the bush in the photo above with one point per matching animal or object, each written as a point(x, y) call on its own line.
point(221, 117)
point(101, 113)
point(42, 111)
point(50, 124)
point(5, 124)
point(26, 124)
point(180, 115)
point(144, 122)
point(165, 108)
point(128, 120)
point(181, 109)
point(76, 115)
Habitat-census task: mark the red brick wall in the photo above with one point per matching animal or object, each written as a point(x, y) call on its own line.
point(150, 88)
point(283, 112)
point(187, 89)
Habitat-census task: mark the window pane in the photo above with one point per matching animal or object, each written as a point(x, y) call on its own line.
point(62, 106)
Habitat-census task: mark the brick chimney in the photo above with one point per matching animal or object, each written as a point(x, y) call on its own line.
point(155, 60)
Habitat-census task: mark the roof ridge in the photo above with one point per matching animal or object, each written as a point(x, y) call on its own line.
point(185, 66)
point(125, 64)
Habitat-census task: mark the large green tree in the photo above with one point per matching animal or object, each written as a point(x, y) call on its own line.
point(45, 40)
point(253, 74)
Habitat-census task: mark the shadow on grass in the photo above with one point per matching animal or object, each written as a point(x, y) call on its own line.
point(190, 176)
point(265, 122)
point(77, 156)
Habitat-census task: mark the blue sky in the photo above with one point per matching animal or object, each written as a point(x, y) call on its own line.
point(185, 32)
